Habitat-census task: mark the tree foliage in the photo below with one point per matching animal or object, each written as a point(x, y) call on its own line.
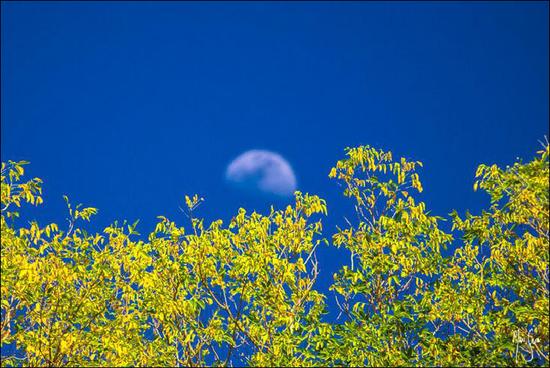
point(244, 292)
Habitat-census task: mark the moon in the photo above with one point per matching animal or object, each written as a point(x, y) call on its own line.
point(262, 171)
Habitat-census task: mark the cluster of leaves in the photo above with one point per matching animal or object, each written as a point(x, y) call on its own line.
point(71, 298)
point(245, 292)
point(407, 304)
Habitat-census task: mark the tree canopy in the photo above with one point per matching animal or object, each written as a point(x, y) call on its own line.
point(244, 292)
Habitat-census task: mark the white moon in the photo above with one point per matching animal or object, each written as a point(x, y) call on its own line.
point(262, 171)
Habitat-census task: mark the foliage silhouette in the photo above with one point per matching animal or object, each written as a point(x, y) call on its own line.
point(244, 292)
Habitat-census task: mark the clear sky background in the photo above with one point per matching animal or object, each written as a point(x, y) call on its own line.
point(128, 106)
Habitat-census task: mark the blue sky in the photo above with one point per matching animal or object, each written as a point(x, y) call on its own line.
point(128, 106)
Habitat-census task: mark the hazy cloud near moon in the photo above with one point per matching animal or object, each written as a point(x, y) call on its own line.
point(262, 171)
